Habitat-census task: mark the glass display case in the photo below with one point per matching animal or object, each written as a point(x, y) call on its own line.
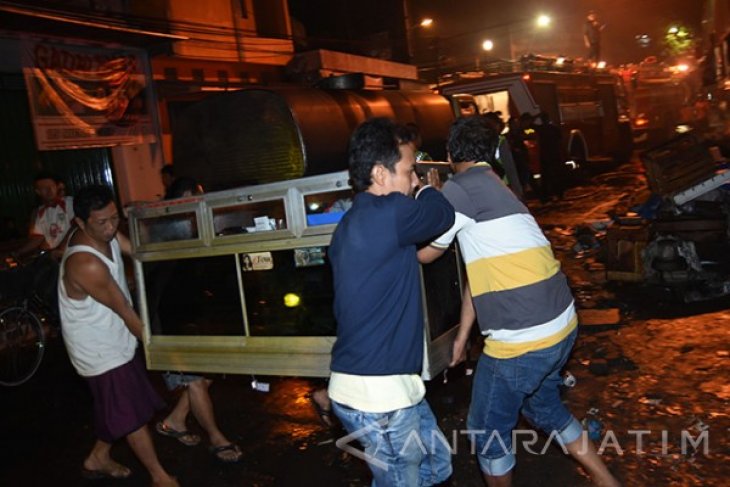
point(239, 281)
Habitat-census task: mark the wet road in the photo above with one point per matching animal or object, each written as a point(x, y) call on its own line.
point(664, 368)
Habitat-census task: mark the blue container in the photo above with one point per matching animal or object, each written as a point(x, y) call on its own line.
point(324, 218)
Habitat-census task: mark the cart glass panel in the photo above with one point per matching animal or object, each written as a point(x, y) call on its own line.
point(288, 292)
point(327, 208)
point(168, 228)
point(196, 296)
point(260, 216)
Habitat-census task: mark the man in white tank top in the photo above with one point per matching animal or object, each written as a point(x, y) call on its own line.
point(100, 329)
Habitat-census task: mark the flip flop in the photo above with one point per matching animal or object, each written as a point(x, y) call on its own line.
point(325, 415)
point(116, 471)
point(183, 436)
point(217, 450)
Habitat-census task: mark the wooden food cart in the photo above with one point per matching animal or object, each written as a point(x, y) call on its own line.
point(238, 281)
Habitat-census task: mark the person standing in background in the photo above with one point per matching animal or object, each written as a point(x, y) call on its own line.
point(592, 36)
point(52, 220)
point(193, 390)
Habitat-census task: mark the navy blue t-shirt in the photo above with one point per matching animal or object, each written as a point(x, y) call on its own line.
point(376, 278)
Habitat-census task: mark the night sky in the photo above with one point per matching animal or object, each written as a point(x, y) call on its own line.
point(475, 20)
point(375, 27)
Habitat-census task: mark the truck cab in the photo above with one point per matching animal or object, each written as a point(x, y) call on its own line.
point(587, 106)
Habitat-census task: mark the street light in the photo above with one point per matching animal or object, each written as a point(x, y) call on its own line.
point(425, 23)
point(487, 46)
point(518, 31)
point(543, 21)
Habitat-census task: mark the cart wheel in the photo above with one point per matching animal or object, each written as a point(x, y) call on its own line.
point(22, 344)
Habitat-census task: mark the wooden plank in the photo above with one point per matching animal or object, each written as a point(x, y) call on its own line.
point(666, 185)
point(678, 164)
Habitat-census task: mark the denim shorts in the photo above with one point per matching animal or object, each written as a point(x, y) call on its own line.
point(504, 388)
point(173, 380)
point(403, 448)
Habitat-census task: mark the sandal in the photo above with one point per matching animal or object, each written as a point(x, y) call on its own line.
point(325, 415)
point(219, 452)
point(114, 471)
point(185, 437)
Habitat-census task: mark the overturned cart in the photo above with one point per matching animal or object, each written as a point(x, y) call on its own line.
point(684, 243)
point(239, 281)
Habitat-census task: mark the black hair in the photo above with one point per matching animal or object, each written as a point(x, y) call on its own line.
point(179, 186)
point(168, 169)
point(91, 198)
point(376, 141)
point(406, 135)
point(47, 175)
point(495, 120)
point(472, 139)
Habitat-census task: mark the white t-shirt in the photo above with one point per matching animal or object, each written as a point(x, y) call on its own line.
point(54, 222)
point(376, 393)
point(96, 337)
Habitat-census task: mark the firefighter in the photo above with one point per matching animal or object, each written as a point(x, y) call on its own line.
point(592, 36)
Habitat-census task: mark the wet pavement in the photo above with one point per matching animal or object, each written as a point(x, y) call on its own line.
point(660, 375)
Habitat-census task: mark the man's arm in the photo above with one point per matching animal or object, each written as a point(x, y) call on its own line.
point(420, 219)
point(429, 253)
point(91, 275)
point(466, 321)
point(33, 243)
point(435, 249)
point(124, 244)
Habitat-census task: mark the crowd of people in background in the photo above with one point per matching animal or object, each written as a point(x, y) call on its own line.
point(544, 175)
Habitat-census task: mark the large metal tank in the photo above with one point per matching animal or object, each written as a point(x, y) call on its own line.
point(256, 136)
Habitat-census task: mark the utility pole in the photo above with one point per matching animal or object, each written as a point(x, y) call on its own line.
point(409, 30)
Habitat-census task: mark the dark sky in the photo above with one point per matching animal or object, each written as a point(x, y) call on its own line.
point(375, 27)
point(462, 24)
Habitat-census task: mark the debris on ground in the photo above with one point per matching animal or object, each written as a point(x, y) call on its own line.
point(588, 317)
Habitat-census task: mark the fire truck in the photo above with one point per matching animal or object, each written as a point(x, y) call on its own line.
point(589, 107)
point(661, 101)
point(658, 108)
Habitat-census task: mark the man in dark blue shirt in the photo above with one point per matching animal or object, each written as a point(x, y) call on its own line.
point(375, 386)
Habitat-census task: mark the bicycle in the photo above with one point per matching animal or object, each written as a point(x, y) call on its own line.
point(22, 336)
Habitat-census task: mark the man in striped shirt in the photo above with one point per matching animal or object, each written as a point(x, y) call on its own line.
point(524, 307)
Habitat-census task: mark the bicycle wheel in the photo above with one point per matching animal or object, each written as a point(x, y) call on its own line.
point(22, 344)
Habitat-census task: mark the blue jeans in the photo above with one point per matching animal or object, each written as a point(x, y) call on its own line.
point(505, 387)
point(403, 448)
